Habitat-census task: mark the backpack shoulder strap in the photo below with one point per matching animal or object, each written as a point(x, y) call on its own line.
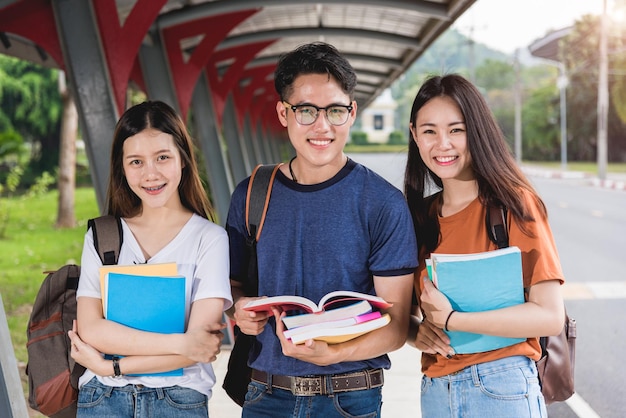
point(258, 197)
point(107, 237)
point(496, 226)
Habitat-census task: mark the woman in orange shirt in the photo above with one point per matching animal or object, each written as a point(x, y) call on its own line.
point(458, 165)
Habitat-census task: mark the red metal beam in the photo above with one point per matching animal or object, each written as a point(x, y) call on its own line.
point(121, 43)
point(185, 72)
point(221, 86)
point(34, 20)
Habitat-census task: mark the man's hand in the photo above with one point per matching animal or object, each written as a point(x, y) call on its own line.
point(312, 351)
point(249, 322)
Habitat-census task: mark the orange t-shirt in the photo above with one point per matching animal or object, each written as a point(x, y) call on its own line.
point(466, 232)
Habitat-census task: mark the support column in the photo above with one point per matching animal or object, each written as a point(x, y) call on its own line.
point(220, 178)
point(86, 66)
point(237, 154)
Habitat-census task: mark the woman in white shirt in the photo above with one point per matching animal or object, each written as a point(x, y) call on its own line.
point(155, 189)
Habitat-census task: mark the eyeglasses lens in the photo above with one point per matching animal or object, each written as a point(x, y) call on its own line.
point(336, 115)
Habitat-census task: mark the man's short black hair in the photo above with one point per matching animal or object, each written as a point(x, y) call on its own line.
point(313, 58)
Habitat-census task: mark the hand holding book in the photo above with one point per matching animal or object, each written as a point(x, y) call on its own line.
point(339, 316)
point(140, 298)
point(477, 282)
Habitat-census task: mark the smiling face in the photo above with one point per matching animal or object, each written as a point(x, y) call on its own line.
point(153, 167)
point(319, 145)
point(441, 137)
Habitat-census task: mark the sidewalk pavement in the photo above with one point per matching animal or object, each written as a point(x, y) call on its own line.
point(401, 392)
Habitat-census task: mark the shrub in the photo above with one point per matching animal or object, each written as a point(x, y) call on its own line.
point(397, 138)
point(359, 138)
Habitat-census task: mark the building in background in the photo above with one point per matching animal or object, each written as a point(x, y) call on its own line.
point(377, 121)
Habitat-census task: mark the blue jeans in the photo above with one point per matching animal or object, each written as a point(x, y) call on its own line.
point(277, 403)
point(502, 388)
point(133, 401)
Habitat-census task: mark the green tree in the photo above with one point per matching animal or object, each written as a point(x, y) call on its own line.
point(11, 143)
point(580, 53)
point(30, 104)
point(495, 75)
point(541, 115)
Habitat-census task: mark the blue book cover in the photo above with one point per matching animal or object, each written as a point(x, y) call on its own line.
point(147, 303)
point(480, 282)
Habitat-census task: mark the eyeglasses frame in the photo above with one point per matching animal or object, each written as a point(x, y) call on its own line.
point(293, 108)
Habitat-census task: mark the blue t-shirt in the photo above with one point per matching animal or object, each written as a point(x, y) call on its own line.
point(320, 238)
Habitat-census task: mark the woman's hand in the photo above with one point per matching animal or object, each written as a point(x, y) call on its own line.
point(434, 304)
point(88, 356)
point(432, 340)
point(203, 344)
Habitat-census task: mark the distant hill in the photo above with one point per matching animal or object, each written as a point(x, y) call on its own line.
point(454, 52)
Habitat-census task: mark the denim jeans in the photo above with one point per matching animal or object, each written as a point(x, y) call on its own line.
point(277, 403)
point(502, 388)
point(132, 401)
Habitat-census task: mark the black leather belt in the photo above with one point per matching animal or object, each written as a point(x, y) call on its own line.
point(318, 385)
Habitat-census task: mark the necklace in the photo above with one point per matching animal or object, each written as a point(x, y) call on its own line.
point(293, 176)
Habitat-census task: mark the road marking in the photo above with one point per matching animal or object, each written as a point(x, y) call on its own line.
point(594, 290)
point(580, 407)
point(597, 213)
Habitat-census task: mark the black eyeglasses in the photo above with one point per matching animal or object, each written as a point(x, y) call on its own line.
point(307, 114)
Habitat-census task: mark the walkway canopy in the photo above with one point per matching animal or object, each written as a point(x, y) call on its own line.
point(212, 61)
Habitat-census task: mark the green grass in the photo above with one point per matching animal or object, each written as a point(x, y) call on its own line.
point(32, 245)
point(369, 148)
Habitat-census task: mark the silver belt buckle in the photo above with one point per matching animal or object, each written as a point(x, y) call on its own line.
point(306, 386)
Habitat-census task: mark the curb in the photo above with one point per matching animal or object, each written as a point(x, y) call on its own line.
point(609, 184)
point(613, 184)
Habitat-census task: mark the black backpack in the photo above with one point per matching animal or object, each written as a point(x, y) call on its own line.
point(238, 372)
point(52, 373)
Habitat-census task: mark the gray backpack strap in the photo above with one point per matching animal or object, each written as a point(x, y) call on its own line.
point(107, 237)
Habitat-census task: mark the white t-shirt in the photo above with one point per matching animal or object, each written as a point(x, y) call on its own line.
point(200, 251)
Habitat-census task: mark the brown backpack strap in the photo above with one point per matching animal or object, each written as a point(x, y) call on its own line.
point(107, 237)
point(258, 197)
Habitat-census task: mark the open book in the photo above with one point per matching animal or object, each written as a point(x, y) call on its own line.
point(479, 282)
point(349, 304)
point(335, 335)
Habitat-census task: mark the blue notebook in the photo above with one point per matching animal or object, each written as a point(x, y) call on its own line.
point(147, 303)
point(479, 282)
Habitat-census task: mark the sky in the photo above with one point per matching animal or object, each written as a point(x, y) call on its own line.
point(506, 25)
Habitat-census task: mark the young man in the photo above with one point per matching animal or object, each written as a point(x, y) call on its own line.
point(332, 224)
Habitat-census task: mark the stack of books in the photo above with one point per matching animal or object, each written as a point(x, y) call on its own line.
point(147, 297)
point(339, 316)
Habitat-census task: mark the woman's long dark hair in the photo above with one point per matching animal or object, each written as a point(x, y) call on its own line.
point(499, 178)
point(121, 200)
